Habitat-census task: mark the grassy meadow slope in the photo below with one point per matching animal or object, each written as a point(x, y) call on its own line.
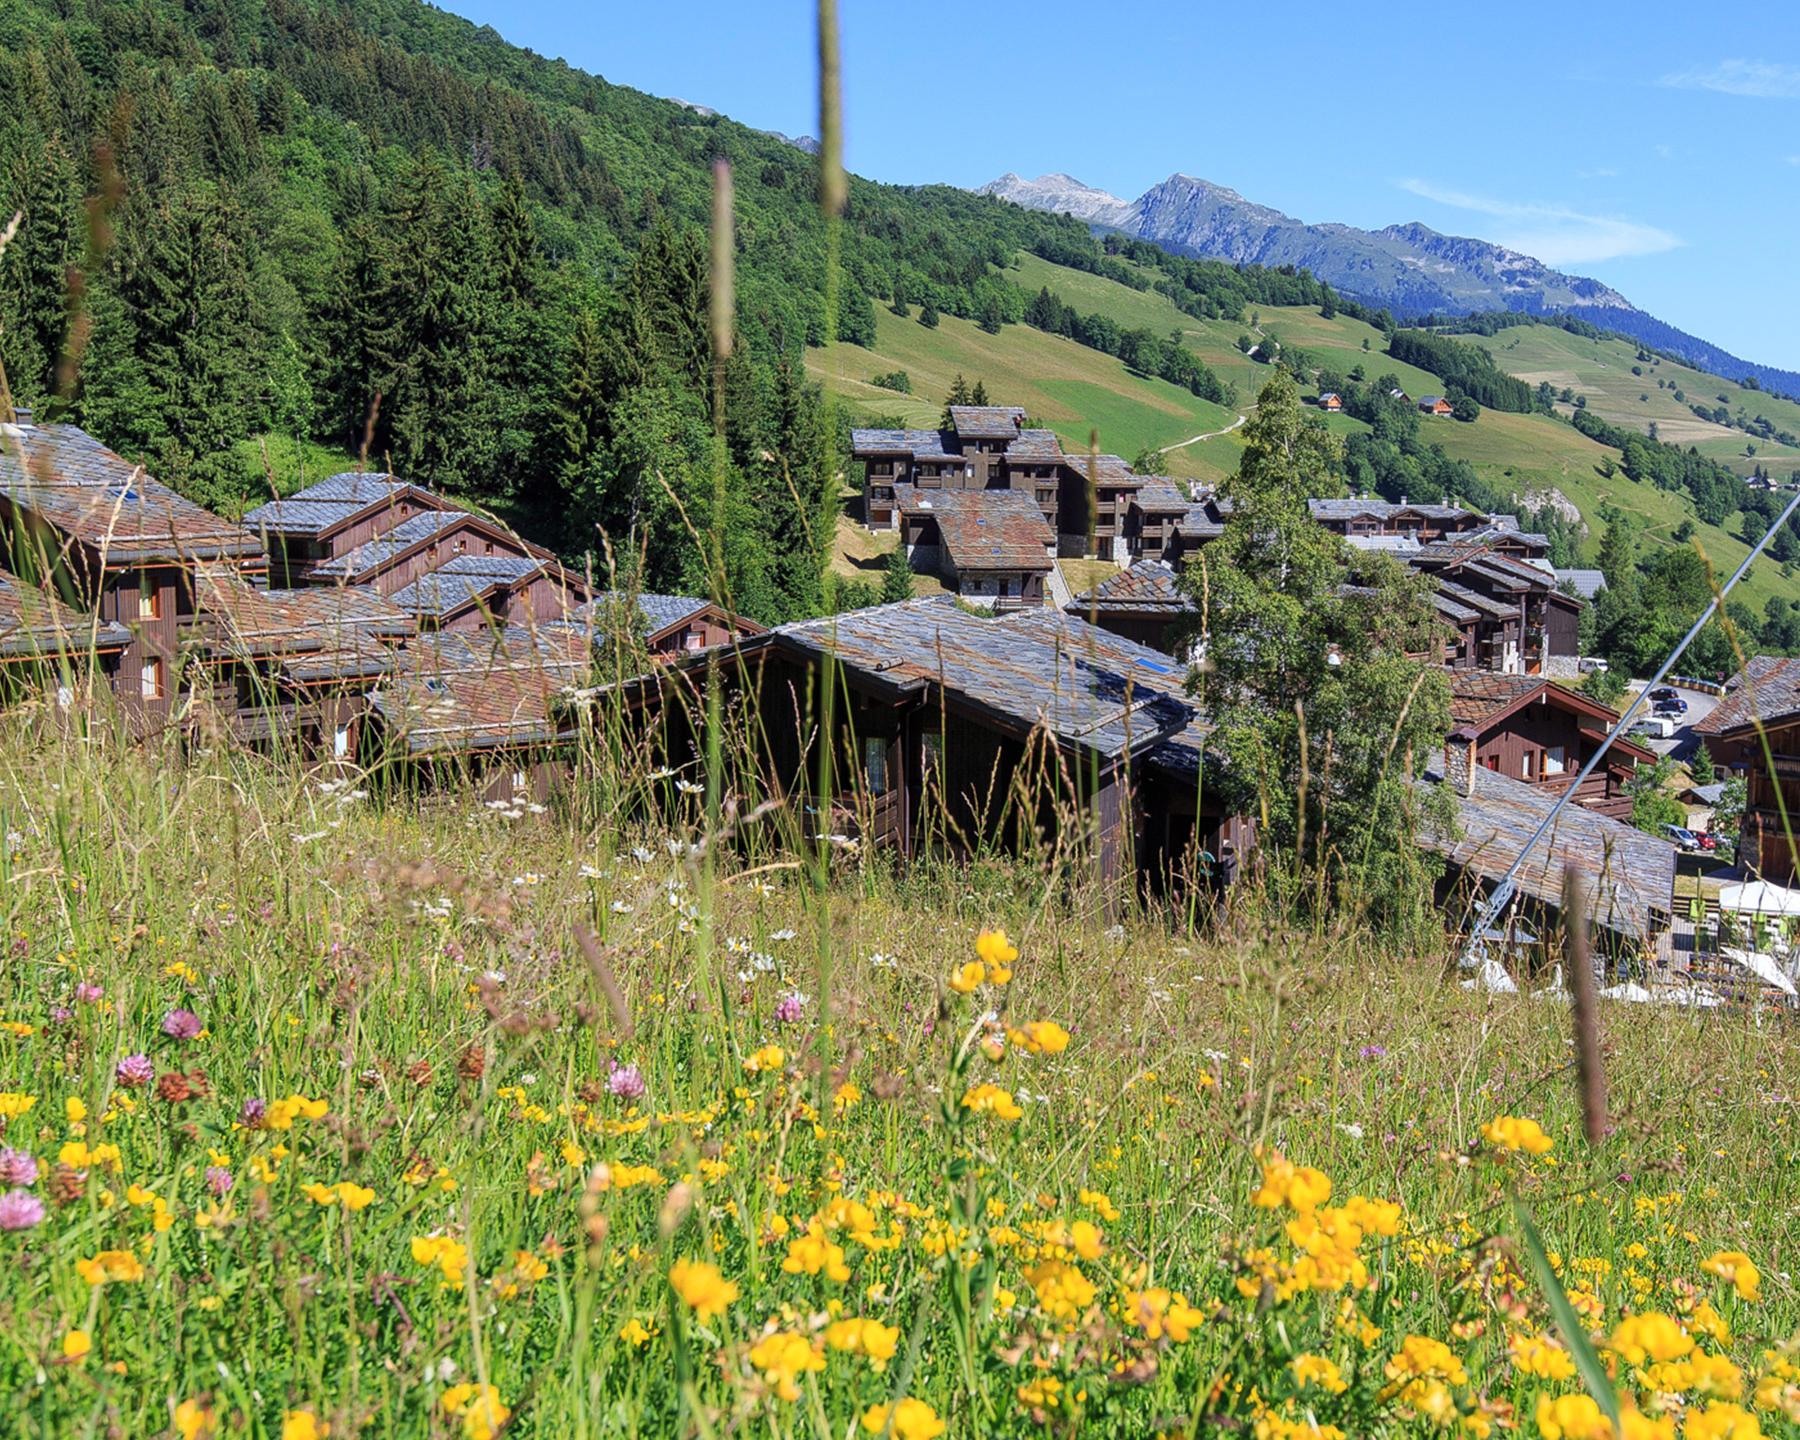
point(1601, 370)
point(1532, 456)
point(327, 1117)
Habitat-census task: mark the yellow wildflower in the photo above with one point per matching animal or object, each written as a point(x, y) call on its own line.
point(116, 1266)
point(997, 953)
point(1299, 1187)
point(869, 1338)
point(782, 1358)
point(303, 1425)
point(1722, 1422)
point(912, 1420)
point(1040, 1037)
point(1515, 1133)
point(1650, 1338)
point(195, 1421)
point(1736, 1269)
point(814, 1251)
point(1541, 1356)
point(702, 1288)
point(770, 1057)
point(968, 977)
point(988, 1099)
point(1319, 1371)
point(75, 1346)
point(478, 1407)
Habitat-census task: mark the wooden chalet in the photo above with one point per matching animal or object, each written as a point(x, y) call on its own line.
point(1153, 512)
point(48, 645)
point(79, 516)
point(989, 448)
point(666, 625)
point(1330, 401)
point(1435, 405)
point(1365, 515)
point(1141, 603)
point(1629, 875)
point(1521, 623)
point(330, 518)
point(991, 548)
point(472, 592)
point(953, 730)
point(1541, 733)
point(1761, 708)
point(483, 707)
point(290, 669)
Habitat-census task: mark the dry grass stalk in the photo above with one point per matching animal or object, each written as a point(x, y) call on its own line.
point(1578, 972)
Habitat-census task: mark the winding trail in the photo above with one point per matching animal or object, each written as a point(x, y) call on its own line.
point(1209, 435)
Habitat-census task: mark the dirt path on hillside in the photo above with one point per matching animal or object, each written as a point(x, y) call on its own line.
point(1209, 435)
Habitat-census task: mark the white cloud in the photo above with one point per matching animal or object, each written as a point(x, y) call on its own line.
point(1757, 79)
point(1554, 234)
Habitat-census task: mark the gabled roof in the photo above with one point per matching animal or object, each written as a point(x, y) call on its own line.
point(462, 581)
point(1586, 583)
point(1160, 496)
point(1112, 470)
point(334, 501)
point(1360, 507)
point(984, 529)
point(1146, 588)
point(71, 481)
point(316, 632)
point(374, 555)
point(34, 623)
point(987, 422)
point(1767, 688)
point(1035, 445)
point(1090, 688)
point(1630, 875)
point(1480, 700)
point(920, 444)
point(458, 692)
point(660, 613)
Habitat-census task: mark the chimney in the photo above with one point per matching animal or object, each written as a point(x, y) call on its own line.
point(1459, 762)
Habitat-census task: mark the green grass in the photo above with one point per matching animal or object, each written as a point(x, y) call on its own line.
point(415, 977)
point(1066, 387)
point(1601, 370)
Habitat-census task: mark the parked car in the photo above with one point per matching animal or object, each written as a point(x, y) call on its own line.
point(1675, 706)
point(1654, 727)
point(1664, 692)
point(1590, 664)
point(1708, 841)
point(1682, 837)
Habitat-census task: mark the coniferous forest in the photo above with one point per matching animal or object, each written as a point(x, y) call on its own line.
point(378, 228)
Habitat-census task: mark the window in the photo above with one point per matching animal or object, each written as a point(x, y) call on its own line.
point(153, 678)
point(1555, 762)
point(149, 600)
point(340, 742)
point(461, 545)
point(875, 766)
point(693, 640)
point(1525, 765)
point(518, 782)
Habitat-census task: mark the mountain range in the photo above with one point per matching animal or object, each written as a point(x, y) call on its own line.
point(1411, 269)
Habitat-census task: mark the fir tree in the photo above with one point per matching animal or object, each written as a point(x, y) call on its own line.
point(897, 578)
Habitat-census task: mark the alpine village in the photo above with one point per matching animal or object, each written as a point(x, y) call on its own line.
point(559, 652)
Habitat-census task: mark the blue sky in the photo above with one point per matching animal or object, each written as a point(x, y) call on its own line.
point(1655, 147)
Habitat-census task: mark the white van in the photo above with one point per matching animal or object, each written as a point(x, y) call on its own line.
point(1590, 664)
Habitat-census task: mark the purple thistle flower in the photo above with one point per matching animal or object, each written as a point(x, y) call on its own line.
point(135, 1070)
point(17, 1167)
point(181, 1024)
point(20, 1210)
point(250, 1116)
point(89, 994)
point(218, 1180)
point(789, 1008)
point(625, 1082)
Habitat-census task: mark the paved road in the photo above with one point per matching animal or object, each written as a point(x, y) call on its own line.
point(1700, 705)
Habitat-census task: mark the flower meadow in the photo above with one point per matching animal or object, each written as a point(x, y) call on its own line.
point(458, 1123)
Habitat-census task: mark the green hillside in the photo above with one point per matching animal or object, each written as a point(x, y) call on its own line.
point(1533, 457)
point(1602, 370)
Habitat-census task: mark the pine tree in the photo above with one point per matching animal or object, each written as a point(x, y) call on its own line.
point(928, 314)
point(897, 577)
point(959, 395)
point(979, 395)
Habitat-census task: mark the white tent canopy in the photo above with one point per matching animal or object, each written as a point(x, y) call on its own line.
point(1761, 966)
point(1759, 897)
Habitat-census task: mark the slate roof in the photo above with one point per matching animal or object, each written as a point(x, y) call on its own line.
point(393, 542)
point(1035, 445)
point(1112, 471)
point(1146, 588)
point(33, 623)
point(1630, 875)
point(326, 503)
point(1766, 689)
point(462, 581)
point(1160, 496)
point(457, 691)
point(317, 632)
point(1452, 609)
point(1354, 508)
point(1401, 545)
point(1091, 688)
point(74, 483)
point(659, 612)
point(920, 444)
point(1479, 697)
point(984, 529)
point(1586, 583)
point(987, 422)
